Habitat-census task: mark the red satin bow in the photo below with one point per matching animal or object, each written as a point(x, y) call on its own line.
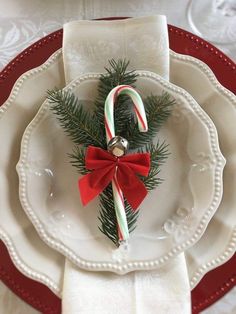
point(104, 166)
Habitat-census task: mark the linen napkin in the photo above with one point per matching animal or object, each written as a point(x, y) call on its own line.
point(165, 290)
point(87, 47)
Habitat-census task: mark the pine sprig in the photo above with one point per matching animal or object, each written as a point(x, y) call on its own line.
point(82, 126)
point(158, 109)
point(116, 74)
point(158, 155)
point(78, 159)
point(108, 217)
point(86, 128)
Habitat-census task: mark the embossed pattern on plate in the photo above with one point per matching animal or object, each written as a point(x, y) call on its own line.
point(195, 152)
point(199, 261)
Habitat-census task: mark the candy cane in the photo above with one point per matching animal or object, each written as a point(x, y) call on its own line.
point(123, 230)
point(109, 109)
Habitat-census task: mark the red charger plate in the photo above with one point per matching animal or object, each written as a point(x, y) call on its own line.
point(215, 283)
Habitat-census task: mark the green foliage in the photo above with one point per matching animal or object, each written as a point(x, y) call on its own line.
point(158, 109)
point(117, 74)
point(82, 126)
point(87, 128)
point(108, 217)
point(78, 159)
point(158, 155)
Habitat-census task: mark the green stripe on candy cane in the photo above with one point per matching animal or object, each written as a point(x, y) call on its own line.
point(120, 211)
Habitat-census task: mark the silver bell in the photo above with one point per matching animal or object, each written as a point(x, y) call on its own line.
point(118, 146)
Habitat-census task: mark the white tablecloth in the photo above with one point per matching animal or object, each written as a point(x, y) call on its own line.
point(22, 22)
point(11, 304)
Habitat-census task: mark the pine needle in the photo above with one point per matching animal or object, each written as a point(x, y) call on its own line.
point(158, 109)
point(82, 127)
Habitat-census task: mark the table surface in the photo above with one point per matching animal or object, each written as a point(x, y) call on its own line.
point(22, 22)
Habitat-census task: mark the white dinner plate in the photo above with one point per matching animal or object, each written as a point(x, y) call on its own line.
point(31, 256)
point(172, 217)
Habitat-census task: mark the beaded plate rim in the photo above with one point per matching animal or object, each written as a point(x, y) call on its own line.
point(124, 267)
point(231, 245)
point(201, 271)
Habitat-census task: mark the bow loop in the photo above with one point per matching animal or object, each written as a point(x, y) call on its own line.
point(97, 158)
point(139, 163)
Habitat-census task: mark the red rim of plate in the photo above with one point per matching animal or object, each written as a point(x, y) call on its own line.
point(216, 282)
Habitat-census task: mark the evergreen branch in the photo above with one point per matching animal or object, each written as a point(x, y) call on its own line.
point(79, 124)
point(158, 154)
point(115, 75)
point(108, 219)
point(158, 109)
point(78, 159)
point(108, 216)
point(132, 216)
point(86, 128)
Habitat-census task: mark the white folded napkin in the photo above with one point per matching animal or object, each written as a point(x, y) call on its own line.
point(87, 47)
point(165, 290)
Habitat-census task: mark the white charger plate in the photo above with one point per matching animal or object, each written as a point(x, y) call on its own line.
point(50, 197)
point(31, 256)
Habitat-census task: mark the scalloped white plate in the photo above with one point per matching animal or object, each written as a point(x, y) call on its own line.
point(29, 253)
point(188, 198)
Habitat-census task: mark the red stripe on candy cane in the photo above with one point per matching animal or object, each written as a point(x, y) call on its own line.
point(121, 238)
point(119, 90)
point(118, 190)
point(108, 130)
point(140, 117)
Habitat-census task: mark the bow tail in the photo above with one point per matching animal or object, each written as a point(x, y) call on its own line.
point(93, 183)
point(132, 187)
point(87, 192)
